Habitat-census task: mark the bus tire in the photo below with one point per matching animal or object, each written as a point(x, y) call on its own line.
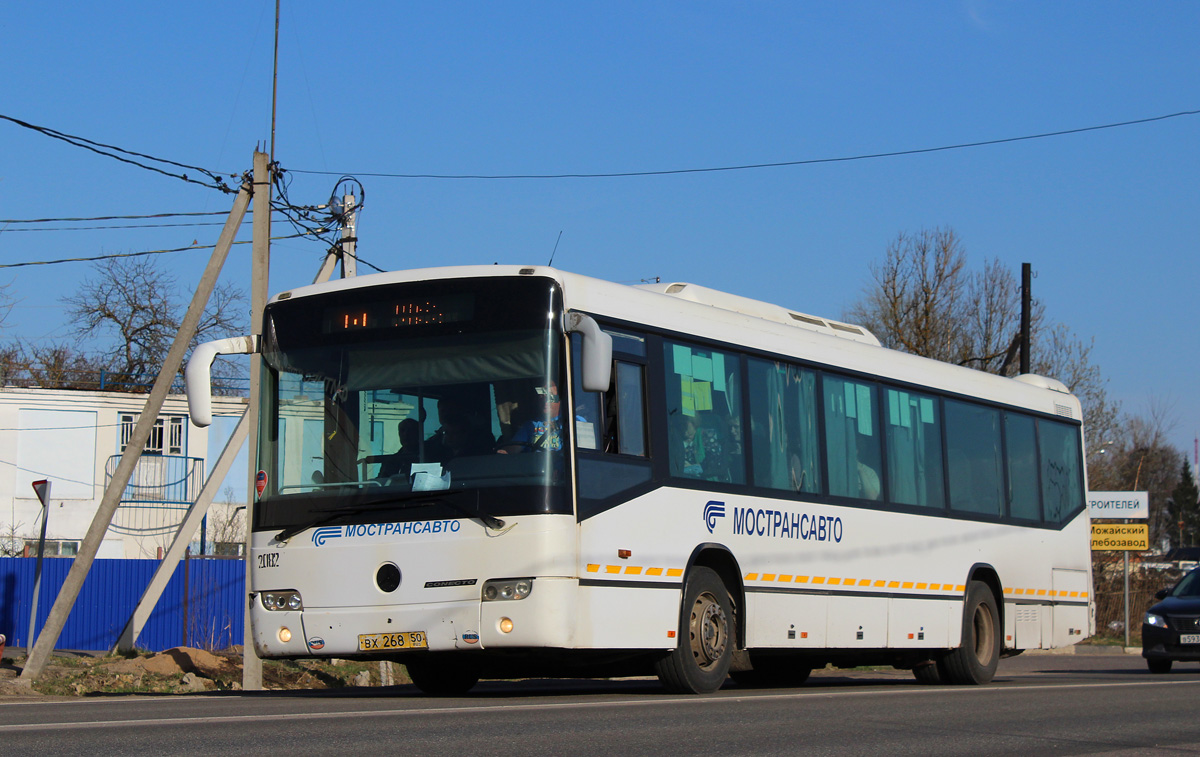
point(927, 672)
point(700, 662)
point(974, 661)
point(441, 679)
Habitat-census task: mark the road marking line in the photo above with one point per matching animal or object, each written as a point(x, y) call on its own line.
point(526, 707)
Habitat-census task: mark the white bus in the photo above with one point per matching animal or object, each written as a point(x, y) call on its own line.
point(495, 471)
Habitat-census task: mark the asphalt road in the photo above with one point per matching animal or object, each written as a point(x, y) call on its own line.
point(1045, 704)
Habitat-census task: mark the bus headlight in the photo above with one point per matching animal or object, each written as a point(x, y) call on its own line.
point(506, 589)
point(282, 600)
point(1157, 621)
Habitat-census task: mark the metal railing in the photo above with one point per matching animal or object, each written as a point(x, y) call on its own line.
point(161, 479)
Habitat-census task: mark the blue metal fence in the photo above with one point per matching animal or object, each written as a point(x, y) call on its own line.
point(202, 606)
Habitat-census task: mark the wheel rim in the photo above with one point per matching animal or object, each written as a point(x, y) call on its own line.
point(985, 635)
point(709, 631)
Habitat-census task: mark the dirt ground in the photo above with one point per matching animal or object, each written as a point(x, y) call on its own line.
point(184, 670)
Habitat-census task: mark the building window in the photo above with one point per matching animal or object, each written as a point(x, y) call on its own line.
point(175, 435)
point(54, 548)
point(168, 436)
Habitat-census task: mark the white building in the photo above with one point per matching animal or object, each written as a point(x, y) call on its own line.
point(74, 439)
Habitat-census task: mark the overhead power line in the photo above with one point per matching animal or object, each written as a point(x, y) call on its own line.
point(119, 226)
point(115, 218)
point(778, 164)
point(141, 253)
point(215, 178)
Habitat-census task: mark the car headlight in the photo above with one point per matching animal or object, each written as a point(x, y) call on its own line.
point(281, 600)
point(507, 589)
point(1157, 621)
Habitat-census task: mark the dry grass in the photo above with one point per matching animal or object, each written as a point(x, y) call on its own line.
point(187, 671)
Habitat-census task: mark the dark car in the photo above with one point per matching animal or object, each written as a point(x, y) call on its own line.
point(1171, 628)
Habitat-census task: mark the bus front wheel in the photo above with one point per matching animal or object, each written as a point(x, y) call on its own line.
point(700, 661)
point(974, 661)
point(441, 678)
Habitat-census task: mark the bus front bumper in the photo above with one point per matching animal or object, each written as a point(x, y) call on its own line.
point(543, 619)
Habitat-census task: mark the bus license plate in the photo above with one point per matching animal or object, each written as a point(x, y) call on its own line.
point(371, 642)
point(1189, 638)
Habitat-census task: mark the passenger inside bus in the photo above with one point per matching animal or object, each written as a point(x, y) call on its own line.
point(461, 434)
point(703, 448)
point(400, 462)
point(868, 478)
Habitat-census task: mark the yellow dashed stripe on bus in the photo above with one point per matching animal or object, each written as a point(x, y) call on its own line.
point(880, 583)
point(633, 570)
point(877, 583)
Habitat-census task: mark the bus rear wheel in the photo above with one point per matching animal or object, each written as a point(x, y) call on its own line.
point(974, 661)
point(441, 678)
point(700, 662)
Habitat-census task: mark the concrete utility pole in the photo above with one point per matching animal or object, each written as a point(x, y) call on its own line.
point(42, 489)
point(133, 449)
point(261, 261)
point(349, 237)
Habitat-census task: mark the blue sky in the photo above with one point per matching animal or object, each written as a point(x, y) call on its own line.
point(1107, 218)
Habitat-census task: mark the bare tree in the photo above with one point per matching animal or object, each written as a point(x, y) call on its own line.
point(11, 545)
point(1139, 457)
point(59, 366)
point(134, 306)
point(227, 524)
point(12, 363)
point(924, 299)
point(918, 289)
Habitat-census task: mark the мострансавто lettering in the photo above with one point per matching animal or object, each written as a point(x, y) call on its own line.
point(784, 525)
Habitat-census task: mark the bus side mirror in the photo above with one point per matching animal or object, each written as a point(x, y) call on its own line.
point(597, 352)
point(197, 377)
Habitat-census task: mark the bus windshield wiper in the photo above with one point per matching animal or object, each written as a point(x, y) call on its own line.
point(491, 521)
point(410, 500)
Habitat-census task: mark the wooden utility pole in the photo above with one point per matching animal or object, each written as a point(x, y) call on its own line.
point(1026, 316)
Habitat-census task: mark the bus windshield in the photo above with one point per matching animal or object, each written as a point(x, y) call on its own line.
point(411, 394)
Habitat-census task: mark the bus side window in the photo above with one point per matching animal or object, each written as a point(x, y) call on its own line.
point(704, 419)
point(852, 444)
point(627, 412)
point(1062, 488)
point(1024, 493)
point(783, 426)
point(612, 421)
point(975, 455)
point(914, 449)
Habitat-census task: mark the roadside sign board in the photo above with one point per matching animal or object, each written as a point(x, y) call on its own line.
point(1121, 537)
point(1119, 504)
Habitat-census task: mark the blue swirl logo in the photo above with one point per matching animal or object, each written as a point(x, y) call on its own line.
point(712, 511)
point(321, 535)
